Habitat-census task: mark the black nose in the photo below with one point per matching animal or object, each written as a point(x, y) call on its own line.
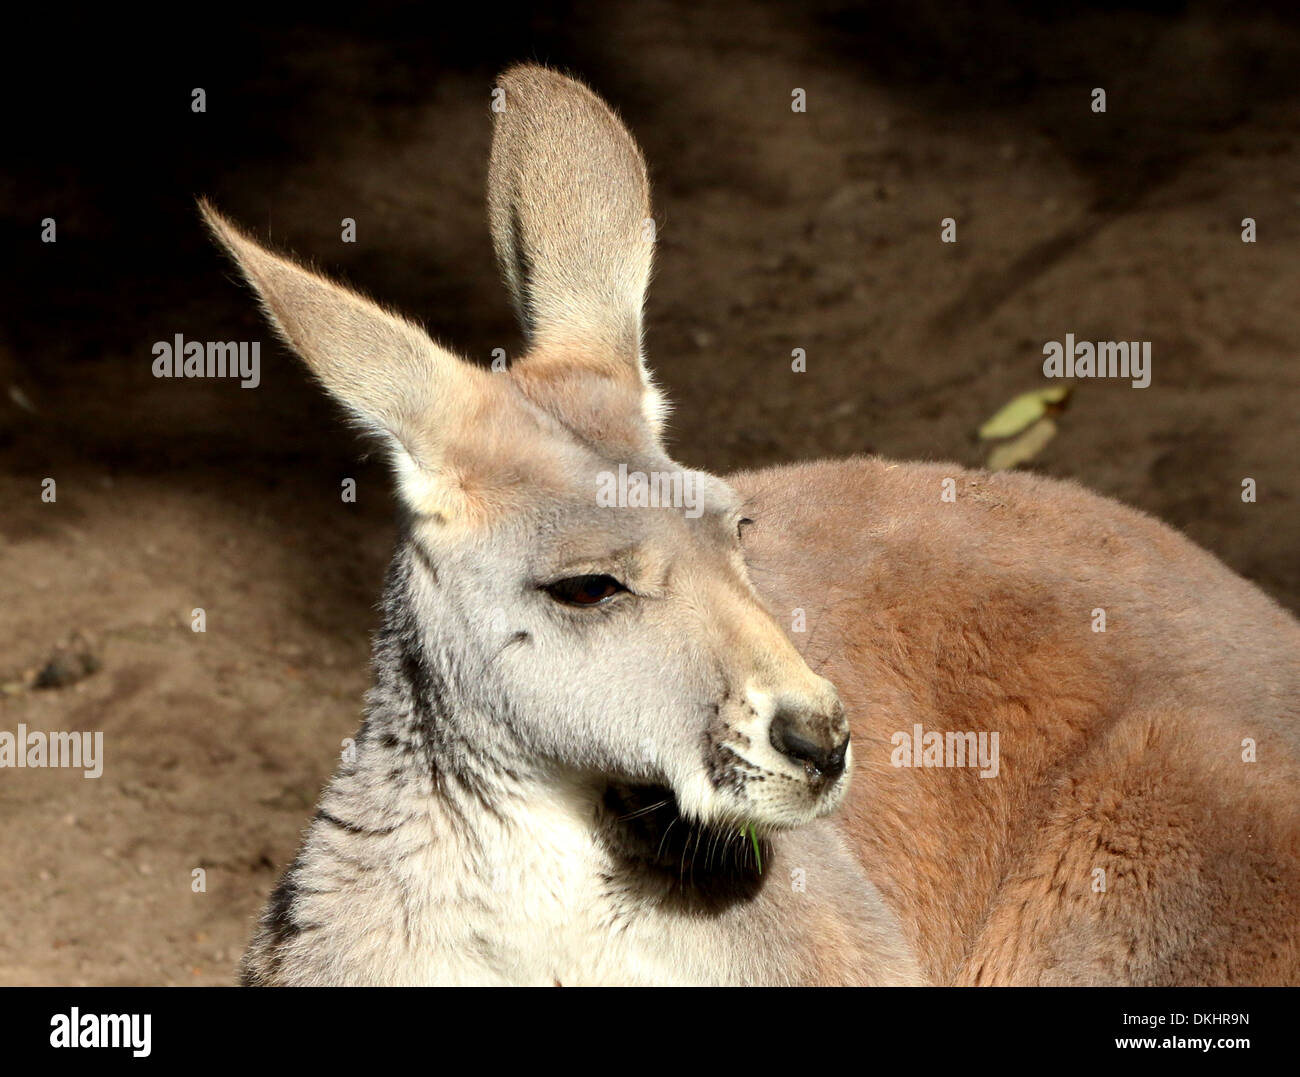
point(824, 754)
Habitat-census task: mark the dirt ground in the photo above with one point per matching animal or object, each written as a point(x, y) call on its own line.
point(779, 230)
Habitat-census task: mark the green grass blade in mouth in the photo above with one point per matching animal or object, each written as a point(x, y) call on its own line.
point(753, 837)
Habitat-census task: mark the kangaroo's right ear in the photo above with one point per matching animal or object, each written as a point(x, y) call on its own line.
point(569, 206)
point(394, 380)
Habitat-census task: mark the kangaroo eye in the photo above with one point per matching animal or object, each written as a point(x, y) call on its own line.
point(741, 524)
point(584, 590)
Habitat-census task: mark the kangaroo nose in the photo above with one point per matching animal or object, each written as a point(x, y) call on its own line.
point(824, 753)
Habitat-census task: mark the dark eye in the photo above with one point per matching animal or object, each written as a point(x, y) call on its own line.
point(584, 590)
point(741, 524)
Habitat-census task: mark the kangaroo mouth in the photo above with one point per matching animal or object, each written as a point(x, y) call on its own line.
point(660, 851)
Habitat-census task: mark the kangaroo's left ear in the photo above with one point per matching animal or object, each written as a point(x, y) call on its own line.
point(394, 380)
point(569, 206)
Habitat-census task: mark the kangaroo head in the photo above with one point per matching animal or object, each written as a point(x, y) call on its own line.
point(582, 592)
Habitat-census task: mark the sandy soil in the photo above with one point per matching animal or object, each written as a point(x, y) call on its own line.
point(778, 231)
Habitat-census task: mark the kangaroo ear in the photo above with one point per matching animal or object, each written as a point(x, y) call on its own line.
point(569, 207)
point(395, 381)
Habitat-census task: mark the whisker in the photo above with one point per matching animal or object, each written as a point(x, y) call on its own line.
point(663, 839)
point(643, 811)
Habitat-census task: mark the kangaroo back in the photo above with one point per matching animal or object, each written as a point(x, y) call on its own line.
point(1140, 822)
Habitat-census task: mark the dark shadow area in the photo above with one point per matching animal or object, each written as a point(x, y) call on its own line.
point(102, 138)
point(1175, 74)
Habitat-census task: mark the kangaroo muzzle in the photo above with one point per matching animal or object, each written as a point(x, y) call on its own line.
point(817, 740)
point(808, 730)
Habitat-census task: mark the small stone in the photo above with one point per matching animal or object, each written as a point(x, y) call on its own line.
point(67, 668)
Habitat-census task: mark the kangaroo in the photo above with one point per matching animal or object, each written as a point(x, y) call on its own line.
point(592, 754)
